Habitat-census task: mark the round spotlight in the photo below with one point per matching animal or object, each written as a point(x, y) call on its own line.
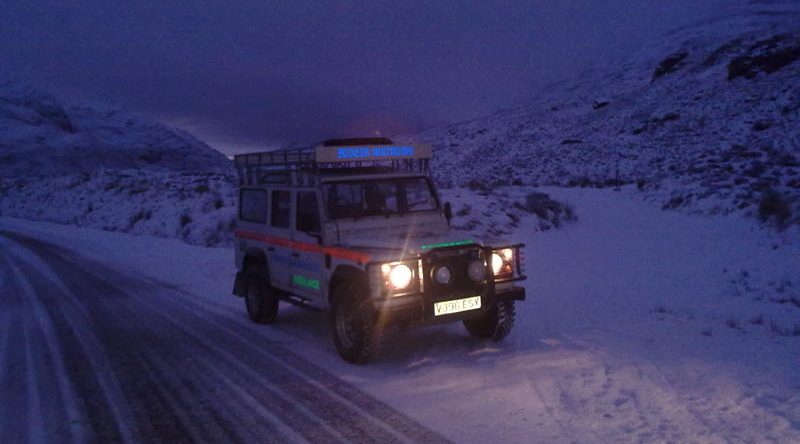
point(476, 270)
point(400, 276)
point(442, 275)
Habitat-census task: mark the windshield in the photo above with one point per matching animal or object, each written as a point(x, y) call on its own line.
point(373, 197)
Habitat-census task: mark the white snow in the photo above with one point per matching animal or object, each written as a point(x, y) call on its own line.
point(199, 208)
point(693, 138)
point(641, 325)
point(41, 135)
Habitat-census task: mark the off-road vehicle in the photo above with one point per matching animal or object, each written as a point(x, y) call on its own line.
point(356, 226)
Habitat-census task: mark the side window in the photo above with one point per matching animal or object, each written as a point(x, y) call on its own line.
point(253, 205)
point(280, 208)
point(307, 212)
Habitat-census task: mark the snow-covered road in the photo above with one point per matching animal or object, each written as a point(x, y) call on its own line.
point(93, 354)
point(641, 325)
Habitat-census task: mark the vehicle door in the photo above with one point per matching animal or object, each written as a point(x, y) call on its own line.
point(279, 241)
point(307, 252)
point(252, 220)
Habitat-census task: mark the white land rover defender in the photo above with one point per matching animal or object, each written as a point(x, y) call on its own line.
point(356, 226)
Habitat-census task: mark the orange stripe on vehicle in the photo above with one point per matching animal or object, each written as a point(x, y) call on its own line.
point(311, 248)
point(347, 254)
point(339, 252)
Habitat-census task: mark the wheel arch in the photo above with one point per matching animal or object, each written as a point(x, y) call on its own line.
point(255, 257)
point(346, 272)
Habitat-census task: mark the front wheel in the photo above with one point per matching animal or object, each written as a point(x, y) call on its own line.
point(355, 326)
point(260, 299)
point(496, 324)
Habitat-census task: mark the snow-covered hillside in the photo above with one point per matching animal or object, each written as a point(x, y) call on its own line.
point(707, 118)
point(93, 165)
point(42, 136)
point(90, 165)
point(198, 208)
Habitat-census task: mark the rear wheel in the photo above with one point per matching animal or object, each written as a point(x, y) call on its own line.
point(496, 324)
point(354, 323)
point(260, 299)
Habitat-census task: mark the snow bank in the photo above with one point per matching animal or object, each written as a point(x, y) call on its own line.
point(197, 208)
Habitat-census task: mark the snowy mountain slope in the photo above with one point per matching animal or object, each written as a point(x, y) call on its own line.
point(112, 170)
point(41, 136)
point(707, 118)
point(92, 165)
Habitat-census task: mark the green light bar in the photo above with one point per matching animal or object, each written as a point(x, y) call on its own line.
point(447, 244)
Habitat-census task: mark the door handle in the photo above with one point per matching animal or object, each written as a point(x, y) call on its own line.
point(270, 248)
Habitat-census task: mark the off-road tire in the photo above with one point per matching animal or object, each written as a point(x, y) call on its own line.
point(356, 329)
point(496, 324)
point(260, 299)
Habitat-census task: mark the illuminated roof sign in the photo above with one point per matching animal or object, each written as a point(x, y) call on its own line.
point(375, 152)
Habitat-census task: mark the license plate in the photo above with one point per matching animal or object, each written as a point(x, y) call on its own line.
point(456, 306)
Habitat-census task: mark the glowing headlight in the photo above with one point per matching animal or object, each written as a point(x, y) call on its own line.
point(497, 263)
point(400, 276)
point(503, 262)
point(442, 275)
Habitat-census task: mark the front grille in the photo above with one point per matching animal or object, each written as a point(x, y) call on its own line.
point(457, 259)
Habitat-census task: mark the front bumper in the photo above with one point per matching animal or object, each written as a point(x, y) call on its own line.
point(418, 308)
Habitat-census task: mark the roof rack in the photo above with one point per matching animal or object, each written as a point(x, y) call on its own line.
point(303, 165)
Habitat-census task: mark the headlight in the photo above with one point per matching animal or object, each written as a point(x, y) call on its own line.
point(399, 276)
point(497, 263)
point(503, 262)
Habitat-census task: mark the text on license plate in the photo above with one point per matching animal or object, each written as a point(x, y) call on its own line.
point(456, 305)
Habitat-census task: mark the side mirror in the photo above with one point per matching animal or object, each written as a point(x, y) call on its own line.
point(448, 212)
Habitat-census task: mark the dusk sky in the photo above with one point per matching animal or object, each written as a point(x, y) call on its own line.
point(251, 74)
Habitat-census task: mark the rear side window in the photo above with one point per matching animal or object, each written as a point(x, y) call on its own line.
point(307, 212)
point(280, 208)
point(253, 206)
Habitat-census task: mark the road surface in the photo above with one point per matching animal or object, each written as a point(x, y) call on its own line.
point(93, 354)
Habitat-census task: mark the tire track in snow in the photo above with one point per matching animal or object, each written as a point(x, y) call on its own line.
point(154, 324)
point(14, 383)
point(220, 316)
point(59, 403)
point(343, 390)
point(95, 410)
point(69, 318)
point(302, 382)
point(141, 326)
point(338, 417)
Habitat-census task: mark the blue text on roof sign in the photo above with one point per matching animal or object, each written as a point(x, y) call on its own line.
point(365, 152)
